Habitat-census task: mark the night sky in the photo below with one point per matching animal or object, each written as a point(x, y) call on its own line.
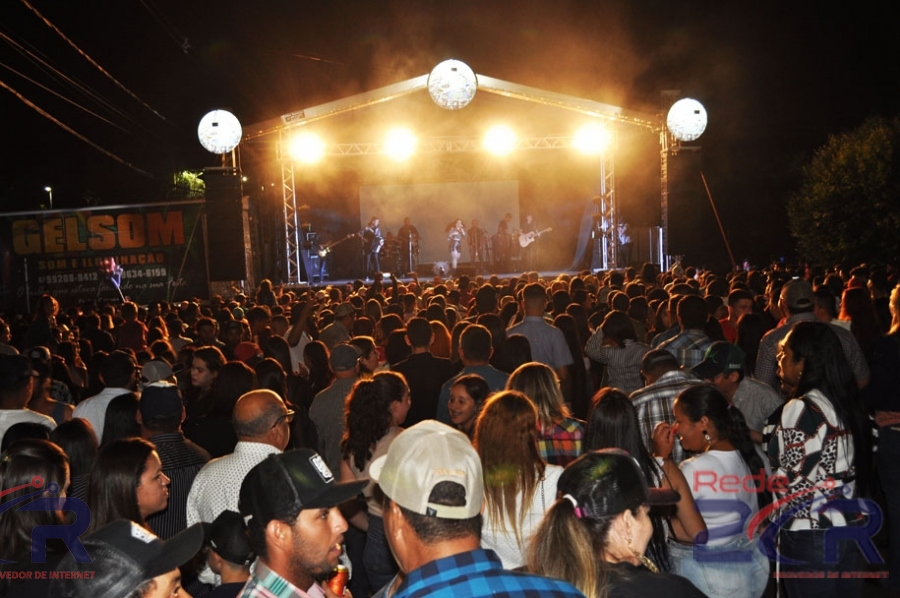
point(776, 80)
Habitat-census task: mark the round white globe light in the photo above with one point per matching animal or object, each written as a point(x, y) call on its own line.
point(686, 119)
point(452, 84)
point(219, 131)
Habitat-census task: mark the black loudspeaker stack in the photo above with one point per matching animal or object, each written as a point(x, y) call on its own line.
point(224, 224)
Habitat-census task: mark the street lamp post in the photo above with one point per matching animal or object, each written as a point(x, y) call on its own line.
point(49, 191)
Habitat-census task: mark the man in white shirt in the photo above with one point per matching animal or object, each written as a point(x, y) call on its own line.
point(119, 373)
point(16, 385)
point(262, 424)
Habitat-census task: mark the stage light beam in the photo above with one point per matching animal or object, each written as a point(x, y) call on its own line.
point(307, 148)
point(591, 139)
point(499, 140)
point(400, 144)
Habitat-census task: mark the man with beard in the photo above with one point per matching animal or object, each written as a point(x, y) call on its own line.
point(294, 524)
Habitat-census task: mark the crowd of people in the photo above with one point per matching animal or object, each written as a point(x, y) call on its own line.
point(614, 434)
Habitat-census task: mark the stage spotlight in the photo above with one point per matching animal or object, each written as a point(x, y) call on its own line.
point(591, 139)
point(307, 147)
point(400, 144)
point(500, 140)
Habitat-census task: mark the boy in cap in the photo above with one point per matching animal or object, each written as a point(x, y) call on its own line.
point(432, 481)
point(294, 524)
point(229, 554)
point(723, 366)
point(127, 560)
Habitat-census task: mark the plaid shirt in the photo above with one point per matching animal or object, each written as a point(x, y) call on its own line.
point(654, 406)
point(689, 347)
point(265, 583)
point(561, 444)
point(479, 573)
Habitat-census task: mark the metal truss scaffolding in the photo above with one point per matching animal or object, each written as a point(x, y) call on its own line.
point(285, 123)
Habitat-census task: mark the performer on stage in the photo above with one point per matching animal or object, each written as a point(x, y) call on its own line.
point(477, 245)
point(501, 243)
point(373, 240)
point(408, 237)
point(455, 232)
point(528, 252)
point(625, 244)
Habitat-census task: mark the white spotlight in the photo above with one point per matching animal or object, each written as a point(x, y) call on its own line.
point(500, 140)
point(400, 144)
point(307, 148)
point(591, 139)
point(686, 119)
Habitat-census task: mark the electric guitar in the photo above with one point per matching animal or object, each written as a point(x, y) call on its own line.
point(326, 248)
point(526, 239)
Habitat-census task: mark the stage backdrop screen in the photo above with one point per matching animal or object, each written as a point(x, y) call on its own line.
point(432, 207)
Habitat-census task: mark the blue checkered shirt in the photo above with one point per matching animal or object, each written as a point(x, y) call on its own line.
point(478, 573)
point(689, 347)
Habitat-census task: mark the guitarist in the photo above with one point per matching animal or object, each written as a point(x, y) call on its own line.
point(529, 253)
point(373, 240)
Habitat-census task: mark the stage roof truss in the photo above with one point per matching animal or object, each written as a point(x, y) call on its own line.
point(284, 124)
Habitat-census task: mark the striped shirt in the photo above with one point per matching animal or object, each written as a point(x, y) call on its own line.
point(623, 364)
point(181, 460)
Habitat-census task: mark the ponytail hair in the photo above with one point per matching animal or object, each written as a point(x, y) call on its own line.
point(707, 400)
point(570, 548)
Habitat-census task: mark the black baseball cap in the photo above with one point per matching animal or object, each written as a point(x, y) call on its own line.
point(285, 483)
point(123, 556)
point(721, 357)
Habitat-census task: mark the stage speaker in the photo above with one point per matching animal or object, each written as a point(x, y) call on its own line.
point(225, 236)
point(467, 270)
point(693, 232)
point(425, 270)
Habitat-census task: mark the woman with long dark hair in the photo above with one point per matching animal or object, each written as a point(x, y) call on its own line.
point(519, 486)
point(374, 411)
point(727, 563)
point(126, 482)
point(40, 469)
point(615, 344)
point(213, 429)
point(613, 423)
point(205, 365)
point(822, 446)
point(76, 437)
